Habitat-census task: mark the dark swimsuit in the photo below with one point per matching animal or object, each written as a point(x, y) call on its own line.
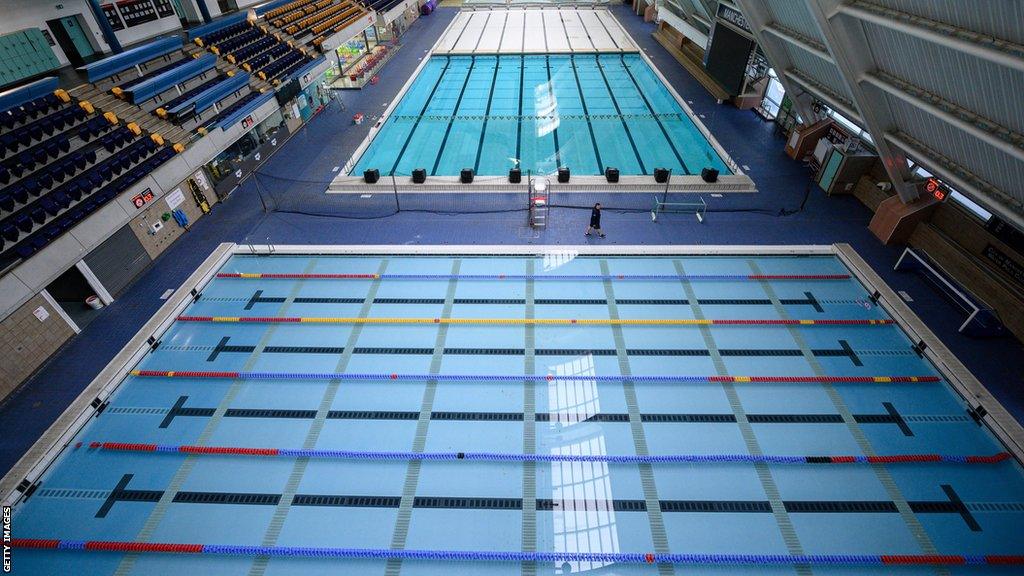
point(595, 218)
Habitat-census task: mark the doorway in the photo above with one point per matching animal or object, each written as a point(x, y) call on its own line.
point(73, 37)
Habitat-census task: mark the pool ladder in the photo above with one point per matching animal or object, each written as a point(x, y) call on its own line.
point(539, 202)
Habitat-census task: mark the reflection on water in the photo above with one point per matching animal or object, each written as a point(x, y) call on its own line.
point(555, 259)
point(546, 105)
point(584, 520)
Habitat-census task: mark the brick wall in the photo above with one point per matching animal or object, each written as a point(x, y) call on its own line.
point(26, 342)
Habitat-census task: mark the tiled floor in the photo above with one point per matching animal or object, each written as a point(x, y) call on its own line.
point(326, 143)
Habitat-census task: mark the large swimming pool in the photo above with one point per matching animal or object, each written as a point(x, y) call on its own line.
point(550, 415)
point(541, 112)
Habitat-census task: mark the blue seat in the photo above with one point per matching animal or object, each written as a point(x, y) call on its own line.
point(23, 222)
point(74, 191)
point(38, 215)
point(6, 202)
point(50, 206)
point(61, 199)
point(5, 175)
point(9, 232)
point(32, 186)
point(19, 193)
point(25, 250)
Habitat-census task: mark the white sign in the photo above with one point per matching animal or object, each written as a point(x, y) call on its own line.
point(41, 313)
point(200, 179)
point(175, 198)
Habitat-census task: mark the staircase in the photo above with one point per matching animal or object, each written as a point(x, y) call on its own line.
point(107, 102)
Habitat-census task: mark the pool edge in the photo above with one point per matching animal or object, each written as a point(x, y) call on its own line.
point(24, 476)
point(984, 406)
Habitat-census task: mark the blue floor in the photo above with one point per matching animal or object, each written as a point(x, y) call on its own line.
point(328, 140)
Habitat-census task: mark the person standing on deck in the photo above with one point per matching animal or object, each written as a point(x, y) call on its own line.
point(595, 221)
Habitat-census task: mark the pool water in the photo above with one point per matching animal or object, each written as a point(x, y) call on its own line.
point(582, 111)
point(555, 356)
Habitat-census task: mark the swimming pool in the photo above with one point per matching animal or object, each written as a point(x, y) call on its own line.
point(539, 112)
point(549, 414)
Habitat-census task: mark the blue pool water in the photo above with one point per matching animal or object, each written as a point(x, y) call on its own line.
point(583, 111)
point(591, 507)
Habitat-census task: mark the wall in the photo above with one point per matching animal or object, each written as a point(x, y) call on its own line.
point(155, 243)
point(26, 342)
point(20, 14)
point(955, 239)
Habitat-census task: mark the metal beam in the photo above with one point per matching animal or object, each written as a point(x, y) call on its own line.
point(982, 46)
point(758, 18)
point(966, 182)
point(821, 92)
point(981, 128)
point(800, 41)
point(847, 45)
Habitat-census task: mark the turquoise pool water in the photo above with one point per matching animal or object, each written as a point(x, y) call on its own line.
point(613, 383)
point(583, 111)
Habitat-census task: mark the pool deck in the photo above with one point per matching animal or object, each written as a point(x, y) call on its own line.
point(316, 151)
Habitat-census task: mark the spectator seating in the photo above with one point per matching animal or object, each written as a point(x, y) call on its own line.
point(60, 160)
point(130, 64)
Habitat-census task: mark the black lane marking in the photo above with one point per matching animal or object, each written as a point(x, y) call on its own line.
point(455, 416)
point(849, 352)
point(257, 297)
point(426, 104)
point(114, 496)
point(897, 418)
point(487, 113)
point(958, 504)
point(551, 93)
point(650, 108)
point(220, 348)
point(121, 493)
point(583, 102)
point(455, 111)
point(625, 126)
point(809, 301)
point(174, 411)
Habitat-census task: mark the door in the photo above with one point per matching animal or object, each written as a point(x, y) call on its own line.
point(72, 39)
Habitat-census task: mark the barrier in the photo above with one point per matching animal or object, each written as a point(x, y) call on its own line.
point(524, 377)
point(532, 321)
point(502, 556)
point(512, 457)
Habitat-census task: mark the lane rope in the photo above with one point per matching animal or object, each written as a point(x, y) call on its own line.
point(501, 556)
point(555, 277)
point(535, 321)
point(214, 374)
point(512, 457)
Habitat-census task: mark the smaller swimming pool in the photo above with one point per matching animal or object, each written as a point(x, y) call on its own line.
point(539, 112)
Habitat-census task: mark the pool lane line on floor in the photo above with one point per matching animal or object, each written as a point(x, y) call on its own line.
point(223, 346)
point(276, 524)
point(618, 111)
point(498, 556)
point(384, 376)
point(181, 475)
point(590, 125)
point(532, 457)
point(426, 104)
point(555, 277)
point(913, 524)
point(529, 516)
point(400, 534)
point(809, 299)
point(952, 504)
point(455, 111)
point(538, 321)
point(890, 416)
point(764, 474)
point(657, 117)
point(659, 535)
